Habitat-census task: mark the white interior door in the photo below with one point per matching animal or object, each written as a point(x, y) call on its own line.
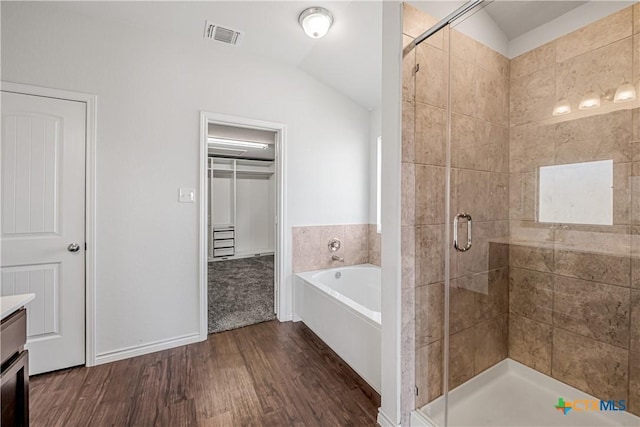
point(43, 191)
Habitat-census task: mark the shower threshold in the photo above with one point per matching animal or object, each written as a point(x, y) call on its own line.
point(512, 394)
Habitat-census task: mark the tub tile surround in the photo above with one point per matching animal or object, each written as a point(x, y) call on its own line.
point(563, 299)
point(360, 245)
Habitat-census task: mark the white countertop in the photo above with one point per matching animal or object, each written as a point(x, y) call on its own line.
point(10, 304)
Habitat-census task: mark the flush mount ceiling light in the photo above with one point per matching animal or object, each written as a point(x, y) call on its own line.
point(625, 92)
point(561, 107)
point(237, 143)
point(590, 100)
point(315, 21)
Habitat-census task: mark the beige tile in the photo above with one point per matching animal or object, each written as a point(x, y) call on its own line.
point(531, 257)
point(375, 241)
point(429, 313)
point(408, 70)
point(634, 208)
point(474, 52)
point(636, 61)
point(479, 259)
point(531, 294)
point(603, 239)
point(415, 22)
point(328, 232)
point(499, 250)
point(498, 200)
point(494, 62)
point(532, 96)
point(430, 137)
point(470, 141)
point(429, 256)
point(531, 233)
point(461, 357)
point(634, 343)
point(408, 131)
point(432, 76)
point(463, 74)
point(636, 19)
point(304, 248)
point(492, 341)
point(531, 146)
point(603, 137)
point(495, 300)
point(634, 383)
point(534, 60)
point(591, 309)
point(522, 196)
point(622, 183)
point(408, 194)
point(464, 47)
point(498, 148)
point(356, 244)
point(469, 192)
point(635, 132)
point(635, 257)
point(611, 269)
point(490, 97)
point(599, 70)
point(463, 309)
point(429, 373)
point(599, 369)
point(593, 36)
point(530, 343)
point(430, 194)
point(408, 251)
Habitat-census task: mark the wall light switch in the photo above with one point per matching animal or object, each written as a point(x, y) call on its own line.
point(187, 195)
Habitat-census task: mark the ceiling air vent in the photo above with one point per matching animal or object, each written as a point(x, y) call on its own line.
point(221, 34)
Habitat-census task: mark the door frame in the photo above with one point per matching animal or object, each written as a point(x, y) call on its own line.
point(91, 102)
point(281, 224)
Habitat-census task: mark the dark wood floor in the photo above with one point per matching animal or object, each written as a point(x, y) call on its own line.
point(273, 374)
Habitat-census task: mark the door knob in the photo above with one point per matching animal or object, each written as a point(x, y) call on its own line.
point(73, 247)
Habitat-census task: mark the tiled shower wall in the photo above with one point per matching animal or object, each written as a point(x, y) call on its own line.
point(574, 302)
point(360, 245)
point(571, 294)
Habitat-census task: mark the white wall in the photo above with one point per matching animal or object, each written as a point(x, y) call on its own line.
point(151, 88)
point(391, 173)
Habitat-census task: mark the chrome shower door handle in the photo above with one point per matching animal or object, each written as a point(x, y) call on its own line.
point(456, 220)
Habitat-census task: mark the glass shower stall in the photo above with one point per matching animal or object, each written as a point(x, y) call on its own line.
point(521, 185)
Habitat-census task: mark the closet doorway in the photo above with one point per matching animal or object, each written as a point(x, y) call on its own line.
point(242, 200)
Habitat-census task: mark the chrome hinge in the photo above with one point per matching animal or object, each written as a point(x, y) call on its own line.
point(85, 246)
point(417, 392)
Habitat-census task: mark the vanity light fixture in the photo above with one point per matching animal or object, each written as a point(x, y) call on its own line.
point(315, 21)
point(562, 107)
point(625, 92)
point(589, 101)
point(237, 143)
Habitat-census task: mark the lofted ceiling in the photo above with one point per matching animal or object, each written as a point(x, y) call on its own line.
point(515, 18)
point(347, 59)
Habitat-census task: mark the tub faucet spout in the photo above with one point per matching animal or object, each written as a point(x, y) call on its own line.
point(337, 258)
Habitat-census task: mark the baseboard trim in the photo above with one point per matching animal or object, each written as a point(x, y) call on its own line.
point(286, 318)
point(126, 353)
point(418, 419)
point(384, 420)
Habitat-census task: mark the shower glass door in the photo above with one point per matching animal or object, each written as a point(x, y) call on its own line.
point(527, 213)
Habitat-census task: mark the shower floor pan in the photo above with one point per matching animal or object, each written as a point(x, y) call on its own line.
point(512, 394)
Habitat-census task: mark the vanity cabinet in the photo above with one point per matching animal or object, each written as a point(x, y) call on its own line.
point(14, 370)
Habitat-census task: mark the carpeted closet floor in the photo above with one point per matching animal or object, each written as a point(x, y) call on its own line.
point(240, 293)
